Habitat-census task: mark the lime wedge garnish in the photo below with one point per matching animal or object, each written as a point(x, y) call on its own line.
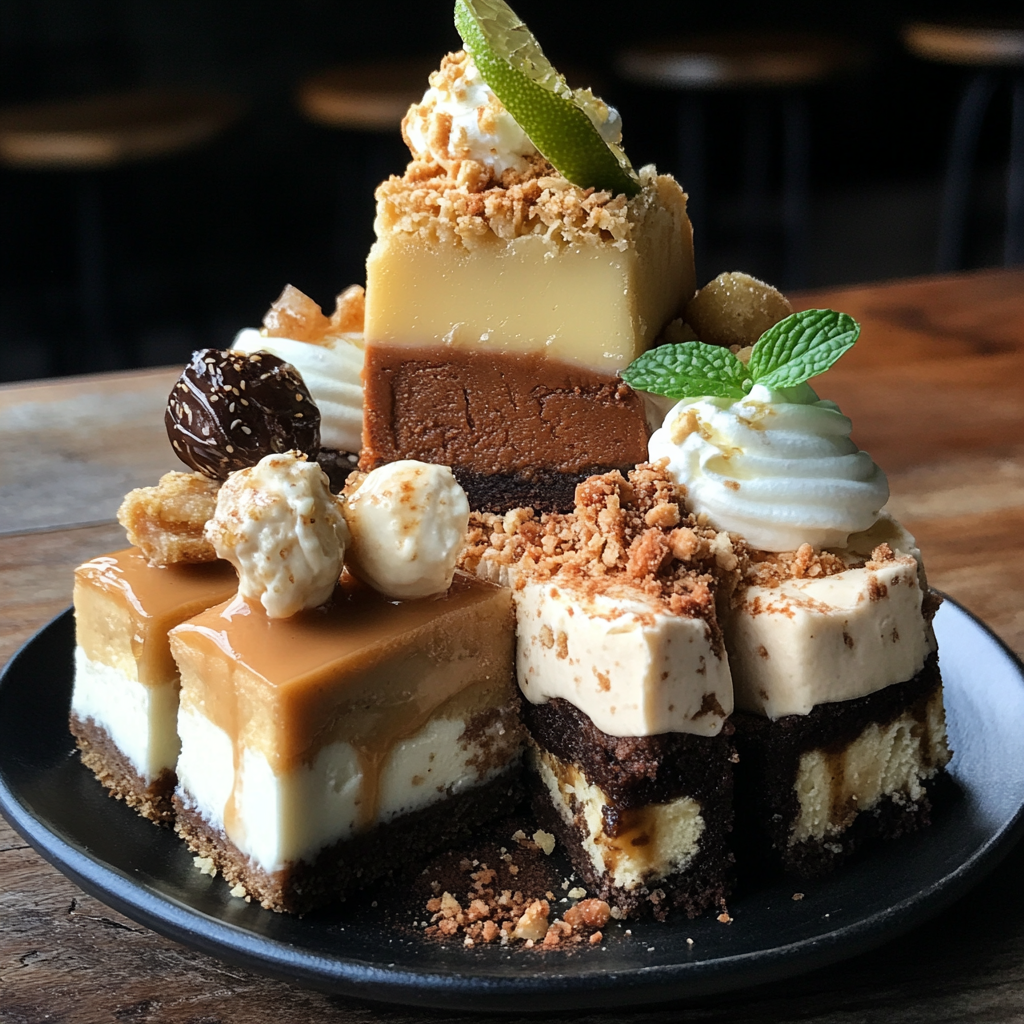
point(557, 121)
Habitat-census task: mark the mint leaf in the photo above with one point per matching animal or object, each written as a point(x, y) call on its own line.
point(690, 369)
point(801, 346)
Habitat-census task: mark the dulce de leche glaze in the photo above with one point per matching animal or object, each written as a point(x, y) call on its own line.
point(125, 607)
point(363, 670)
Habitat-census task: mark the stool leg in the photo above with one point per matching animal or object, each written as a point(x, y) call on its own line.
point(691, 157)
point(795, 189)
point(962, 147)
point(1014, 247)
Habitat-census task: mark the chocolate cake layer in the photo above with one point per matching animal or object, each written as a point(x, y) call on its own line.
point(354, 863)
point(635, 772)
point(102, 757)
point(523, 419)
point(767, 803)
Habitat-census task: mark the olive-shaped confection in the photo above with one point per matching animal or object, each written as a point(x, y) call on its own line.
point(228, 410)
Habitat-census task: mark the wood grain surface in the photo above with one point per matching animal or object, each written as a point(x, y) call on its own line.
point(936, 392)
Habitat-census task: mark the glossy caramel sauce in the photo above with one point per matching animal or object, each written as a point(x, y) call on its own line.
point(125, 607)
point(364, 670)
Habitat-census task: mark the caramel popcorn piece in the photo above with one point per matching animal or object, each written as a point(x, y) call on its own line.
point(166, 521)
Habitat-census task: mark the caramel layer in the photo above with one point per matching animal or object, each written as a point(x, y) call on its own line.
point(493, 413)
point(125, 607)
point(365, 669)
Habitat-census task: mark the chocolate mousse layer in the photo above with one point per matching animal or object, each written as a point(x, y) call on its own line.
point(516, 429)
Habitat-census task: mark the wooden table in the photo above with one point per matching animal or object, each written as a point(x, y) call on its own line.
point(936, 390)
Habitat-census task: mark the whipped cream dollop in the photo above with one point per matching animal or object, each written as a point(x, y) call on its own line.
point(776, 467)
point(408, 521)
point(460, 118)
point(283, 530)
point(331, 369)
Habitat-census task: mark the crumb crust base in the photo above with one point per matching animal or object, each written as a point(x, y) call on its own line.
point(351, 864)
point(114, 771)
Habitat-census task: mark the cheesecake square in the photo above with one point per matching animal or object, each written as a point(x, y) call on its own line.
point(124, 702)
point(322, 751)
point(840, 724)
point(626, 687)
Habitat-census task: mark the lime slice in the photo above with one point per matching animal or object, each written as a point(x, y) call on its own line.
point(557, 120)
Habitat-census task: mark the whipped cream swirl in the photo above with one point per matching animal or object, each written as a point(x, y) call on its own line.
point(460, 118)
point(776, 467)
point(332, 371)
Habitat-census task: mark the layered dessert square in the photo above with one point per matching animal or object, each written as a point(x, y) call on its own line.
point(840, 727)
point(124, 703)
point(323, 750)
point(626, 685)
point(840, 722)
point(502, 301)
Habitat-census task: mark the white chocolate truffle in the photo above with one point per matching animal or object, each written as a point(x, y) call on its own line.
point(284, 532)
point(408, 521)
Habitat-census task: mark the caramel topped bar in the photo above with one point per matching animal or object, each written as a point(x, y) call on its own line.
point(125, 700)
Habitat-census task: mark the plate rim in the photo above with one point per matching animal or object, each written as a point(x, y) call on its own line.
point(372, 980)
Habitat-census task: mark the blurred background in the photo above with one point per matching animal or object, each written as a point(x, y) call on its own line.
point(165, 168)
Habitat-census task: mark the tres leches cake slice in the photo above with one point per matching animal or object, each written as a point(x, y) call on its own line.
point(503, 300)
point(626, 684)
point(840, 726)
point(332, 732)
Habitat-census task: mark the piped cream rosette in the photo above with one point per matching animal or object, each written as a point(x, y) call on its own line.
point(777, 467)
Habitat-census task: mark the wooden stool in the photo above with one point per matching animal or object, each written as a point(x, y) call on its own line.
point(768, 67)
point(996, 52)
point(91, 135)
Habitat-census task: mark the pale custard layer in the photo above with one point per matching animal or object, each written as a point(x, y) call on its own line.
point(596, 303)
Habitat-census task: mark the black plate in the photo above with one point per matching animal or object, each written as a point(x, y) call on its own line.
point(369, 951)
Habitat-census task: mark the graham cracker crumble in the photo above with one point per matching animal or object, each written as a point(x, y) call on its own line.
point(634, 532)
point(166, 521)
point(293, 314)
point(769, 569)
point(488, 913)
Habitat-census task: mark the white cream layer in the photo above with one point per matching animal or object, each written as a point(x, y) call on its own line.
point(275, 818)
point(834, 638)
point(891, 760)
point(671, 831)
point(140, 720)
point(631, 667)
point(332, 370)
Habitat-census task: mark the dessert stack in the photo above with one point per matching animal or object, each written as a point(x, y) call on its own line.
point(604, 544)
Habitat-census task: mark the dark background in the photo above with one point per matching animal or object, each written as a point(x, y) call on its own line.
point(202, 242)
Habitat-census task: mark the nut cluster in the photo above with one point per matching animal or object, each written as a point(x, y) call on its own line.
point(228, 410)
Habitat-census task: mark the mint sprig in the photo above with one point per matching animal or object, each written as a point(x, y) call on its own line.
point(692, 368)
point(802, 346)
